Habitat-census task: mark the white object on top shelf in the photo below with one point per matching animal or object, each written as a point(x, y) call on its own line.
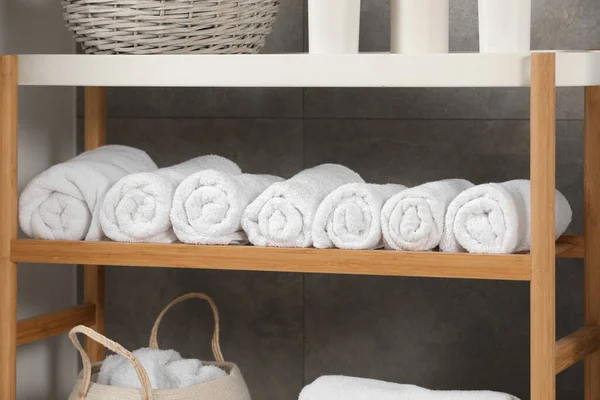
point(504, 26)
point(333, 26)
point(420, 26)
point(579, 68)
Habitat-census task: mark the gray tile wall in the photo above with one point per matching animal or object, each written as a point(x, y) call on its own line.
point(286, 329)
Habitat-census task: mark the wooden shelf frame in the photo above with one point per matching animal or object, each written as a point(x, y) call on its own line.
point(548, 356)
point(51, 324)
point(250, 258)
point(515, 267)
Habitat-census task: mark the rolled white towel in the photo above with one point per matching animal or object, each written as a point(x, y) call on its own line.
point(349, 388)
point(63, 202)
point(137, 208)
point(349, 217)
point(283, 214)
point(495, 218)
point(208, 206)
point(413, 220)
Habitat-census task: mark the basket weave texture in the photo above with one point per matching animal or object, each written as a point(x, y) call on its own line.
point(170, 26)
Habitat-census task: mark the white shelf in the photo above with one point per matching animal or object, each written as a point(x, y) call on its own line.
point(579, 68)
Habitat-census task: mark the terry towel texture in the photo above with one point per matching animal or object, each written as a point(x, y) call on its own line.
point(348, 388)
point(138, 207)
point(208, 206)
point(495, 218)
point(283, 214)
point(349, 217)
point(413, 220)
point(165, 368)
point(63, 202)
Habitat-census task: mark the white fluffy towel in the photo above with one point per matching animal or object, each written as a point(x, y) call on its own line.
point(138, 207)
point(208, 206)
point(165, 368)
point(413, 220)
point(495, 218)
point(283, 214)
point(349, 217)
point(349, 388)
point(63, 202)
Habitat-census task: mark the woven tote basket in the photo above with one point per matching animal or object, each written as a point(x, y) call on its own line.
point(230, 387)
point(170, 26)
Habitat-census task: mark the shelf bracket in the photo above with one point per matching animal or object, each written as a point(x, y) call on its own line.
point(573, 348)
point(52, 324)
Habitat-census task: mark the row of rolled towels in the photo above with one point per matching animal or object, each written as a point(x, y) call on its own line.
point(118, 191)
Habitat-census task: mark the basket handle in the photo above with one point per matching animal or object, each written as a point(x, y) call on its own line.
point(215, 344)
point(114, 346)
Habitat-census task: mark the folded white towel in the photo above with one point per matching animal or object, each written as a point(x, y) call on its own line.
point(495, 218)
point(208, 206)
point(413, 220)
point(138, 207)
point(165, 368)
point(349, 388)
point(349, 217)
point(282, 215)
point(63, 202)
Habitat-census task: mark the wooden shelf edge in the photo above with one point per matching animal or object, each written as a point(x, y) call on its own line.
point(575, 347)
point(571, 246)
point(249, 258)
point(51, 324)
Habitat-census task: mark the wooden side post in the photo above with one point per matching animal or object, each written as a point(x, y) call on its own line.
point(8, 225)
point(591, 198)
point(93, 275)
point(543, 187)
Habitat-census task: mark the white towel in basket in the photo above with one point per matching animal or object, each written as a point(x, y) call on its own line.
point(413, 220)
point(138, 207)
point(208, 206)
point(165, 368)
point(283, 214)
point(349, 217)
point(63, 202)
point(495, 218)
point(349, 388)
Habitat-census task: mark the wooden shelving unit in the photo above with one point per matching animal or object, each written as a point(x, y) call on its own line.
point(542, 72)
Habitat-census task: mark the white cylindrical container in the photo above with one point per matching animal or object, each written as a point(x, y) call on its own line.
point(333, 26)
point(504, 26)
point(420, 26)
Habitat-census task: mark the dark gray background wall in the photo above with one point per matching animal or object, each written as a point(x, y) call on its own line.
point(284, 330)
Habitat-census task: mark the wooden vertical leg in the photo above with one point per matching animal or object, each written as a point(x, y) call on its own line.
point(93, 275)
point(8, 225)
point(591, 196)
point(543, 187)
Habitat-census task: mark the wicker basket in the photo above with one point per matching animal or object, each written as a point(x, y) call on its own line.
point(230, 387)
point(170, 26)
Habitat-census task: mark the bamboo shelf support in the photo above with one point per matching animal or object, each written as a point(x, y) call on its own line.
point(93, 274)
point(52, 324)
point(8, 225)
point(573, 348)
point(591, 200)
point(543, 268)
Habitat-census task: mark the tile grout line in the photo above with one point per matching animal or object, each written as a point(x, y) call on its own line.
point(336, 118)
